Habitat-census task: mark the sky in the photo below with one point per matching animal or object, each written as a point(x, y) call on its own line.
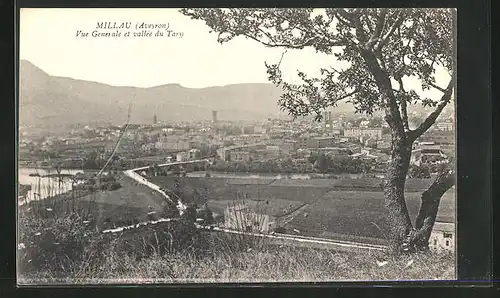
point(48, 39)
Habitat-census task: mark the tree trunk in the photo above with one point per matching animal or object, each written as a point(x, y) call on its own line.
point(429, 208)
point(394, 186)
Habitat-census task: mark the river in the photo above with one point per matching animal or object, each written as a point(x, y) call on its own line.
point(47, 185)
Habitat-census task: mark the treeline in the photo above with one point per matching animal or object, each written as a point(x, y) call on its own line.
point(340, 164)
point(317, 163)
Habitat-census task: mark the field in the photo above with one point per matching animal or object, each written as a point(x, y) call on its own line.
point(335, 209)
point(275, 207)
point(360, 214)
point(130, 203)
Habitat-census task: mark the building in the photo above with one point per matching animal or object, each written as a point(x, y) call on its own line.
point(426, 145)
point(246, 217)
point(356, 132)
point(383, 144)
point(336, 131)
point(289, 146)
point(371, 142)
point(239, 156)
point(320, 142)
point(194, 154)
point(445, 126)
point(438, 137)
point(334, 151)
point(148, 148)
point(365, 154)
point(302, 142)
point(155, 120)
point(328, 119)
point(181, 156)
point(364, 124)
point(225, 152)
point(214, 118)
point(174, 144)
point(427, 156)
point(442, 236)
point(273, 151)
point(259, 129)
point(340, 122)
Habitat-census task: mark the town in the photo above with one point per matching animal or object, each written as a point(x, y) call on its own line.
point(360, 145)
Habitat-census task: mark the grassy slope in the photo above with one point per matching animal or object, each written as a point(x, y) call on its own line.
point(278, 265)
point(221, 261)
point(132, 200)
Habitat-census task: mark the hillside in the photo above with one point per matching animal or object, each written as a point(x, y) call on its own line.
point(51, 101)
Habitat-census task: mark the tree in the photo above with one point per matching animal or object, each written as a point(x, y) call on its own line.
point(382, 48)
point(206, 214)
point(322, 163)
point(189, 215)
point(422, 171)
point(170, 210)
point(312, 158)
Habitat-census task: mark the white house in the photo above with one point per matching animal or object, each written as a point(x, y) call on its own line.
point(442, 236)
point(181, 156)
point(427, 156)
point(245, 217)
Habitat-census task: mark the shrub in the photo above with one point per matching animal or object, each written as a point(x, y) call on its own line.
point(422, 171)
point(280, 230)
point(114, 186)
point(54, 242)
point(206, 214)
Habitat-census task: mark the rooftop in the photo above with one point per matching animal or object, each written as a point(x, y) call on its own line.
point(444, 227)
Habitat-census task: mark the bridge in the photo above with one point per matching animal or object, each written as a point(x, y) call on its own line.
point(173, 164)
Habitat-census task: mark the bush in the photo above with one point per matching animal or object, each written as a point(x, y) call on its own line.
point(54, 242)
point(206, 214)
point(114, 186)
point(422, 171)
point(280, 230)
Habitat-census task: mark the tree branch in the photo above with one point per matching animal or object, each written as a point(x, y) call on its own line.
point(431, 118)
point(344, 21)
point(437, 87)
point(308, 42)
point(395, 25)
point(378, 29)
point(382, 79)
point(404, 110)
point(368, 24)
point(429, 207)
point(344, 96)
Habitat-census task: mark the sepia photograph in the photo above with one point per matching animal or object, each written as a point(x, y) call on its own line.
point(236, 145)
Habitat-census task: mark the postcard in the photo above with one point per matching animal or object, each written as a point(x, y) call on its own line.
point(230, 145)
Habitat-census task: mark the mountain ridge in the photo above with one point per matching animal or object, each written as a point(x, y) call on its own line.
point(62, 100)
